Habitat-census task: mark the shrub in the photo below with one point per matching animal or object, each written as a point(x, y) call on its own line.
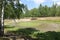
point(33, 18)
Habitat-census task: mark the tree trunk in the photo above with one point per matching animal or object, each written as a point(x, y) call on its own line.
point(1, 18)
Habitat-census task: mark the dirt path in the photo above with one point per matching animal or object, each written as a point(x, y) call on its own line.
point(49, 27)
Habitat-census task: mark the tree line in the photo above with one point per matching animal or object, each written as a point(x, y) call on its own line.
point(43, 11)
point(17, 10)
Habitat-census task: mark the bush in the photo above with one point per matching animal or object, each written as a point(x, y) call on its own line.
point(33, 18)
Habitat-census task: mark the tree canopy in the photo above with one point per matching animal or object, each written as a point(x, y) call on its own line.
point(44, 11)
point(13, 9)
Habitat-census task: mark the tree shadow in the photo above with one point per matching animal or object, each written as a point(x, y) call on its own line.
point(23, 33)
point(26, 32)
point(50, 35)
point(4, 39)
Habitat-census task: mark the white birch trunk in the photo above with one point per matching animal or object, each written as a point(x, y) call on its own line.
point(2, 18)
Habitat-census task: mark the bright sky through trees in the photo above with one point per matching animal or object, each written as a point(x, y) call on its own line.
point(35, 3)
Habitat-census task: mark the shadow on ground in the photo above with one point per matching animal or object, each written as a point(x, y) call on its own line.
point(50, 35)
point(26, 33)
point(23, 33)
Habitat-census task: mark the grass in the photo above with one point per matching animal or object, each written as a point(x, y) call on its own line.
point(37, 22)
point(40, 29)
point(42, 25)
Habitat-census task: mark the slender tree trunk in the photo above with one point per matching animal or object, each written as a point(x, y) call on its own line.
point(1, 18)
point(15, 22)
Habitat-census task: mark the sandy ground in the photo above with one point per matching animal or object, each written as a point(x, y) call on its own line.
point(41, 18)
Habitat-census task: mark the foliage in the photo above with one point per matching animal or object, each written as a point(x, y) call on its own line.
point(13, 10)
point(18, 10)
point(43, 11)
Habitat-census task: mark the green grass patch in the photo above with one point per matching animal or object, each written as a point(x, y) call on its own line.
point(40, 29)
point(38, 24)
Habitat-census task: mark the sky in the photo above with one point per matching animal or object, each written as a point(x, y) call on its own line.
point(35, 3)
